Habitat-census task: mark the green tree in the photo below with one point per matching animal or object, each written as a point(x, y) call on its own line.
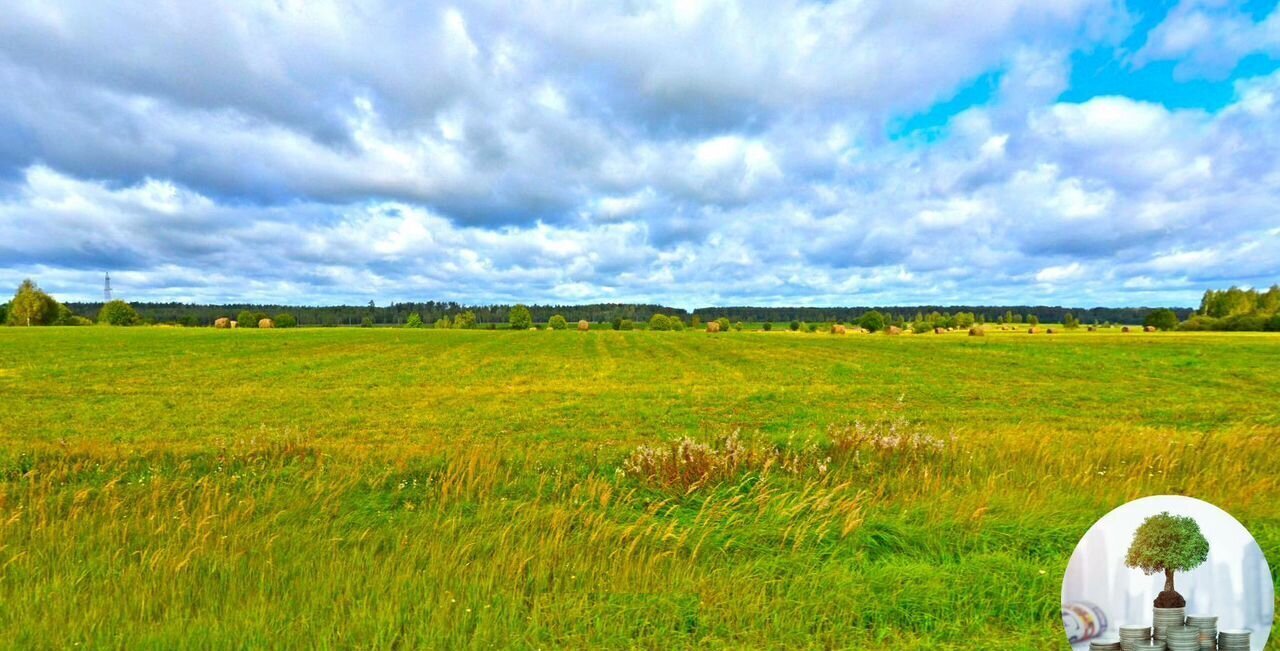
point(1163, 319)
point(616, 323)
point(247, 319)
point(738, 326)
point(1033, 320)
point(794, 325)
point(4, 313)
point(766, 326)
point(1070, 322)
point(520, 318)
point(286, 320)
point(558, 322)
point(31, 306)
point(414, 321)
point(921, 327)
point(366, 322)
point(627, 324)
point(465, 320)
point(872, 321)
point(963, 320)
point(443, 323)
point(659, 322)
point(724, 323)
point(1167, 543)
point(118, 313)
point(676, 323)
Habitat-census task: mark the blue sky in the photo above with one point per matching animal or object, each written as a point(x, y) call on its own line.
point(1076, 152)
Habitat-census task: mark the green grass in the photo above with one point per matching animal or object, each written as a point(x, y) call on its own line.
point(173, 488)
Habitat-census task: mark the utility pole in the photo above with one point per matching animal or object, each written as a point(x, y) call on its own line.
point(106, 289)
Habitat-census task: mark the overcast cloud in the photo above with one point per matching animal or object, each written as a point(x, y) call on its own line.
point(784, 153)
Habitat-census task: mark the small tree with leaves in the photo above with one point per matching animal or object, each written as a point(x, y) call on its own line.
point(414, 321)
point(118, 313)
point(1167, 543)
point(558, 322)
point(465, 320)
point(872, 321)
point(520, 318)
point(1163, 319)
point(286, 320)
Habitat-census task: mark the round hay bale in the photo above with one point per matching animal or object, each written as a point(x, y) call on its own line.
point(222, 323)
point(938, 331)
point(893, 330)
point(1048, 331)
point(1093, 328)
point(713, 327)
point(977, 332)
point(235, 324)
point(1124, 329)
point(1149, 329)
point(266, 323)
point(1032, 330)
point(584, 325)
point(837, 329)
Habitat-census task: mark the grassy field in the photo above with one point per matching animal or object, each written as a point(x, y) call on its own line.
point(173, 488)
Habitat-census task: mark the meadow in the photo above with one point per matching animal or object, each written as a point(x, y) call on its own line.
point(379, 488)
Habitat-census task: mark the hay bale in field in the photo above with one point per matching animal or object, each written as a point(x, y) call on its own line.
point(712, 326)
point(837, 329)
point(266, 323)
point(222, 323)
point(584, 325)
point(1032, 330)
point(1093, 328)
point(235, 324)
point(893, 330)
point(1124, 329)
point(1149, 329)
point(977, 332)
point(938, 331)
point(1048, 331)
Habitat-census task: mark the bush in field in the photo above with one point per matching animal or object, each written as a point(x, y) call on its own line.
point(366, 322)
point(872, 321)
point(676, 324)
point(766, 326)
point(738, 326)
point(1273, 324)
point(414, 321)
point(724, 324)
point(695, 323)
point(1161, 320)
point(118, 313)
point(627, 324)
point(795, 326)
point(465, 321)
point(659, 322)
point(616, 323)
point(1033, 320)
point(811, 327)
point(247, 319)
point(444, 322)
point(557, 322)
point(520, 318)
point(921, 327)
point(286, 320)
point(1070, 322)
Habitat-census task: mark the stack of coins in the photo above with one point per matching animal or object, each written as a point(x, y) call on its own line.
point(1233, 640)
point(1105, 644)
point(1149, 646)
point(1208, 625)
point(1182, 638)
point(1131, 634)
point(1163, 618)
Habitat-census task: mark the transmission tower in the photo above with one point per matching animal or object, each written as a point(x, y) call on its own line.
point(106, 289)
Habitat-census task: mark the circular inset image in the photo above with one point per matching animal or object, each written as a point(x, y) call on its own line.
point(1168, 572)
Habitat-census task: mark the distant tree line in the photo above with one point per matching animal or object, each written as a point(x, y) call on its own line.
point(1237, 309)
point(485, 316)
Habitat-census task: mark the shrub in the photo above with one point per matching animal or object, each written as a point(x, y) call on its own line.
point(616, 323)
point(659, 322)
point(724, 324)
point(414, 321)
point(520, 318)
point(766, 326)
point(245, 319)
point(1161, 319)
point(695, 323)
point(1273, 324)
point(795, 325)
point(921, 327)
point(465, 320)
point(557, 322)
point(872, 321)
point(286, 320)
point(118, 313)
point(366, 322)
point(676, 324)
point(444, 322)
point(1033, 320)
point(627, 324)
point(812, 327)
point(738, 326)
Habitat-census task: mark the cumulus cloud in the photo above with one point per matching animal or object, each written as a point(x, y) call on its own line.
point(1207, 38)
point(710, 153)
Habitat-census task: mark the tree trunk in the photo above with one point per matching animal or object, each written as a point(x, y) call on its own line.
point(1168, 581)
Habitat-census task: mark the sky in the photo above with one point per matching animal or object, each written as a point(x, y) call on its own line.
point(1062, 152)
